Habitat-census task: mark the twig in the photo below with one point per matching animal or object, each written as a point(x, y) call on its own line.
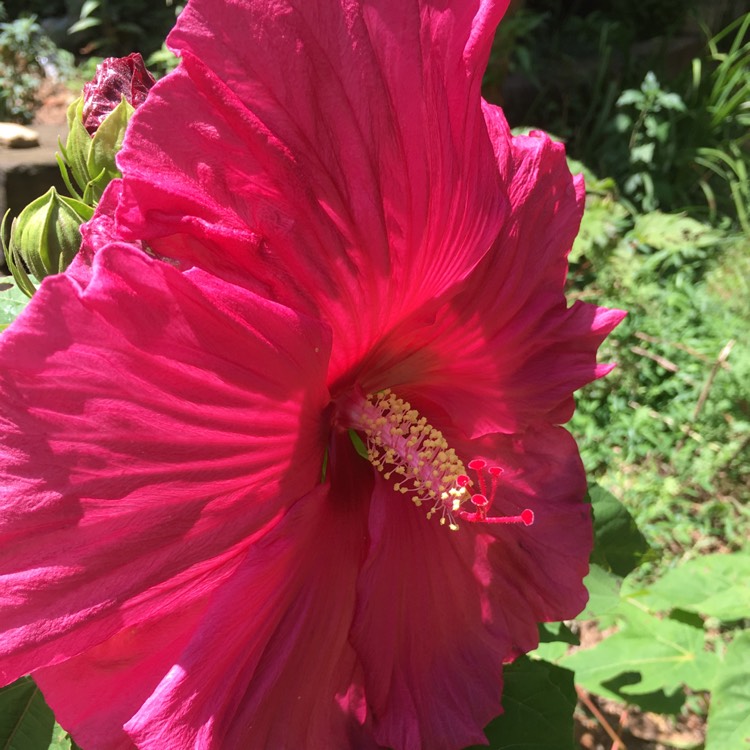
point(584, 697)
point(661, 361)
point(677, 345)
point(723, 356)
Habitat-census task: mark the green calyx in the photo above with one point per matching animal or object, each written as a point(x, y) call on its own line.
point(44, 238)
point(91, 158)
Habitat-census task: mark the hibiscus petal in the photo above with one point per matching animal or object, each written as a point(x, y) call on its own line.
point(507, 352)
point(152, 423)
point(112, 680)
point(337, 151)
point(285, 676)
point(540, 567)
point(439, 611)
point(98, 232)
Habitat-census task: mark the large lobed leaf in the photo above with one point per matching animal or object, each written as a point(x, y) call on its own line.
point(713, 585)
point(655, 654)
point(728, 716)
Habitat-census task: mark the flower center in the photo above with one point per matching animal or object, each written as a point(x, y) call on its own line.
point(402, 445)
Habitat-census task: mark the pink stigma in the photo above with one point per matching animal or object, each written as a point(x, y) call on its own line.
point(483, 499)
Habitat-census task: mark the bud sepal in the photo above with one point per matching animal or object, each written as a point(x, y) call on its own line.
point(91, 158)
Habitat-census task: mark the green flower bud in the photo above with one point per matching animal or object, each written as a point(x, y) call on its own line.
point(45, 237)
point(91, 158)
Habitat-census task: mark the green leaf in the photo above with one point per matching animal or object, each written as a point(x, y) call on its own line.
point(728, 715)
point(60, 739)
point(538, 699)
point(83, 24)
point(555, 638)
point(12, 301)
point(604, 594)
point(557, 632)
point(663, 653)
point(666, 231)
point(89, 7)
point(26, 721)
point(618, 544)
point(602, 223)
point(713, 585)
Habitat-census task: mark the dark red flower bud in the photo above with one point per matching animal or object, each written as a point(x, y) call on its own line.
point(115, 77)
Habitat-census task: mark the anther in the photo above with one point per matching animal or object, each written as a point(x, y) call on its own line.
point(400, 442)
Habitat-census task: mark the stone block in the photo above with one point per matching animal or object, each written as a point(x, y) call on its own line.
point(13, 135)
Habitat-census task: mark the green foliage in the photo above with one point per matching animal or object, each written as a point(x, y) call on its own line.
point(650, 130)
point(618, 544)
point(18, 8)
point(44, 238)
point(604, 595)
point(26, 722)
point(728, 716)
point(655, 653)
point(91, 158)
point(674, 150)
point(672, 421)
point(24, 51)
point(712, 585)
point(666, 645)
point(574, 60)
point(12, 301)
point(114, 28)
point(538, 700)
point(162, 61)
point(659, 650)
point(585, 74)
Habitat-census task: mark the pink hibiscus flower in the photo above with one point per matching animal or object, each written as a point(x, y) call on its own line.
point(194, 553)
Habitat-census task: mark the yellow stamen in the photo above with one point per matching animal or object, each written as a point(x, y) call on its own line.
point(400, 442)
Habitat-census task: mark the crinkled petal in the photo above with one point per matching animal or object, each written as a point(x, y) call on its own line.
point(285, 676)
point(336, 156)
point(439, 612)
point(507, 352)
point(96, 692)
point(540, 567)
point(97, 233)
point(153, 423)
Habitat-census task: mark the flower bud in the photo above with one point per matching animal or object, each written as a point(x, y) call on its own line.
point(97, 122)
point(116, 77)
point(45, 237)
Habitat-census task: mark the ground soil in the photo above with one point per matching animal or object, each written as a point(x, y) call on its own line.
point(55, 99)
